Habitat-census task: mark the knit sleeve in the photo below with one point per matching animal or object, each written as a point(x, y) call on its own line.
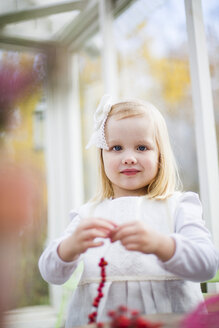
point(195, 257)
point(52, 268)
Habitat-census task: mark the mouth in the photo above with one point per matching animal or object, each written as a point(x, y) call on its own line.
point(130, 172)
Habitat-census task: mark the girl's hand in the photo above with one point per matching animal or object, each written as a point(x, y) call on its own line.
point(137, 236)
point(83, 238)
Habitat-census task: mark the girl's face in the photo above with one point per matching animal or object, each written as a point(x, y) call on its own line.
point(131, 162)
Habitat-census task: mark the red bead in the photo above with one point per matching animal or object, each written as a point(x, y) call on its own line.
point(134, 313)
point(123, 308)
point(100, 325)
point(92, 320)
point(95, 303)
point(102, 262)
point(99, 289)
point(122, 322)
point(92, 315)
point(111, 314)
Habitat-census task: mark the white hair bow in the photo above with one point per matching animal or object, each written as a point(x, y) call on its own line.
point(100, 116)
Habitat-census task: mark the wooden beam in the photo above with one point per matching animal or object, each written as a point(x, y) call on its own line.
point(83, 22)
point(41, 11)
point(109, 58)
point(7, 42)
point(86, 24)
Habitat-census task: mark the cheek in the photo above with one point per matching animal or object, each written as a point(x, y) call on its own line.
point(152, 163)
point(109, 164)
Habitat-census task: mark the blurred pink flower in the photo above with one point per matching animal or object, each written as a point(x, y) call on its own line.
point(17, 82)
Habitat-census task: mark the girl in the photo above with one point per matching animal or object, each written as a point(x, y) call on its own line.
point(152, 235)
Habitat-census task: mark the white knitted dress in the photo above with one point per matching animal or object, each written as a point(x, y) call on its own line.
point(139, 281)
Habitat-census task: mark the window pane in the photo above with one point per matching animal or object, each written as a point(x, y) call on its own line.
point(91, 90)
point(23, 206)
point(153, 65)
point(211, 18)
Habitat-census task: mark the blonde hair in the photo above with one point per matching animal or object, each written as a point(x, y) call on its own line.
point(167, 179)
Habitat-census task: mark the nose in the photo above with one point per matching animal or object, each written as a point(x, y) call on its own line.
point(129, 160)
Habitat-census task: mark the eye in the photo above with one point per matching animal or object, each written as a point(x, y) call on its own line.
point(142, 148)
point(117, 148)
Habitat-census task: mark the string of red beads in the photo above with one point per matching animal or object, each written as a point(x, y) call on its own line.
point(122, 317)
point(93, 315)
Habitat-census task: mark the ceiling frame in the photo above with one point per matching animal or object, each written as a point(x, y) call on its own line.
point(86, 24)
point(10, 42)
point(74, 35)
point(41, 11)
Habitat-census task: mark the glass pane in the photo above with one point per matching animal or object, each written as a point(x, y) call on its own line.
point(91, 90)
point(23, 201)
point(153, 65)
point(211, 18)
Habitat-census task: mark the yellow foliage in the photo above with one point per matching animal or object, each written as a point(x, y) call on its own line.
point(91, 70)
point(141, 26)
point(172, 75)
point(22, 140)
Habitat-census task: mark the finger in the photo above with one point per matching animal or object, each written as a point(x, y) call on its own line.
point(103, 221)
point(130, 240)
point(123, 232)
point(137, 225)
point(132, 247)
point(99, 223)
point(127, 224)
point(93, 233)
point(92, 244)
point(132, 226)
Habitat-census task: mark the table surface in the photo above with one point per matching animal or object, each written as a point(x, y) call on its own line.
point(169, 320)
